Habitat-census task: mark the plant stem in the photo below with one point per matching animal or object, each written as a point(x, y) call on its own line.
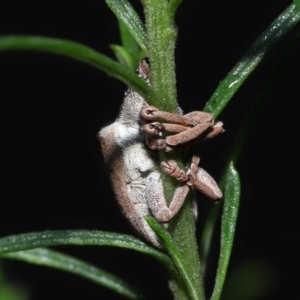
point(161, 34)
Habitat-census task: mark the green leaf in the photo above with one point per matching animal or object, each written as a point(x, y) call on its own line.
point(241, 138)
point(53, 259)
point(123, 56)
point(81, 53)
point(130, 45)
point(268, 87)
point(125, 13)
point(229, 217)
point(190, 285)
point(33, 240)
point(228, 87)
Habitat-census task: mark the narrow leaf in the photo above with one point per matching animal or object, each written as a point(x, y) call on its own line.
point(33, 240)
point(176, 257)
point(229, 217)
point(53, 259)
point(129, 43)
point(125, 13)
point(228, 87)
point(262, 97)
point(81, 53)
point(123, 56)
point(241, 138)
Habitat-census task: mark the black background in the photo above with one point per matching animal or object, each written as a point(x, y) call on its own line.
point(52, 171)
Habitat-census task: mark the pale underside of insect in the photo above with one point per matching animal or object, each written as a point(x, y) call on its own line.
point(134, 169)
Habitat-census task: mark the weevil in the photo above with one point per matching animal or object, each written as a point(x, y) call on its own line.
point(135, 173)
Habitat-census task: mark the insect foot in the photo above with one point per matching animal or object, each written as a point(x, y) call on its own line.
point(177, 131)
point(195, 177)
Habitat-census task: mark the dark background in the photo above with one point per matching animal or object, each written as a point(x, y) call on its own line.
point(52, 171)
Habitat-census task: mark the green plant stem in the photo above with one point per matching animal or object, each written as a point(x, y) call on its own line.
point(182, 229)
point(161, 34)
point(177, 259)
